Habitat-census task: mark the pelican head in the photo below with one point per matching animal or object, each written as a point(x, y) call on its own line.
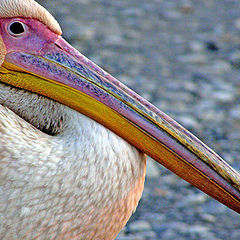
point(73, 139)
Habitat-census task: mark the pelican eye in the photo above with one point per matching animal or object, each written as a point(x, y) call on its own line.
point(16, 28)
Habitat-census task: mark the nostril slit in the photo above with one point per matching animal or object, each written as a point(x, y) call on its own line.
point(59, 46)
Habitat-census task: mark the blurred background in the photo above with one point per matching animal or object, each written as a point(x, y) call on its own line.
point(184, 57)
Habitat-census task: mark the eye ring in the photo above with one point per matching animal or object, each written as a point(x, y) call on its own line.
point(16, 28)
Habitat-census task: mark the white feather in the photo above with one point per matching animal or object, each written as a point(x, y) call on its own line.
point(83, 182)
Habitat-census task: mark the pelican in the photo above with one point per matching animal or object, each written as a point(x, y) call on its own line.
point(74, 140)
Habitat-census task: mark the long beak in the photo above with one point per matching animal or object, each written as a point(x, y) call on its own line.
point(61, 73)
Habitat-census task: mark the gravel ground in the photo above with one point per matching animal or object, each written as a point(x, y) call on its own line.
point(183, 56)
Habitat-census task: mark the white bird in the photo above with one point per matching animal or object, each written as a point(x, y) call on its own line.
point(72, 138)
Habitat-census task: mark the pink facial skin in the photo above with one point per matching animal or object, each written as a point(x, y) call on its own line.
point(43, 52)
point(33, 40)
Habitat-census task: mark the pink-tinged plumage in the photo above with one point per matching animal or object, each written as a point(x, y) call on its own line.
point(64, 175)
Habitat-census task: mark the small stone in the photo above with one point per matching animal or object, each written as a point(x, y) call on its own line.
point(198, 228)
point(139, 226)
point(169, 234)
point(171, 179)
point(188, 122)
point(235, 59)
point(228, 158)
point(196, 58)
point(178, 227)
point(87, 33)
point(160, 192)
point(209, 218)
point(212, 46)
point(190, 86)
point(210, 115)
point(147, 96)
point(221, 66)
point(196, 46)
point(212, 208)
point(193, 199)
point(235, 113)
point(174, 180)
point(172, 14)
point(114, 40)
point(136, 12)
point(149, 235)
point(202, 232)
point(153, 170)
point(223, 96)
point(237, 23)
point(187, 7)
point(125, 79)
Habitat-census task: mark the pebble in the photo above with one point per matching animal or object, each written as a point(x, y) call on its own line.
point(228, 158)
point(148, 235)
point(188, 122)
point(172, 14)
point(210, 115)
point(200, 232)
point(176, 227)
point(187, 9)
point(195, 58)
point(237, 23)
point(220, 66)
point(196, 46)
point(174, 180)
point(223, 96)
point(209, 218)
point(212, 46)
point(193, 200)
point(235, 113)
point(169, 234)
point(153, 170)
point(114, 40)
point(235, 59)
point(139, 226)
point(198, 229)
point(134, 12)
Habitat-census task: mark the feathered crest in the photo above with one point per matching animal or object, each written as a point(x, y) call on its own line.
point(28, 9)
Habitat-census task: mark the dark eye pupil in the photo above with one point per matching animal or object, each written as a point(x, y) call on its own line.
point(16, 28)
